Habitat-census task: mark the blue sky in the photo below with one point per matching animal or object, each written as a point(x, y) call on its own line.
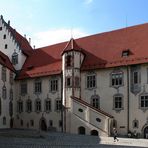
point(51, 21)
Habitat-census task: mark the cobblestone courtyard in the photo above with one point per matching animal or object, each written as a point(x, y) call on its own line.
point(35, 139)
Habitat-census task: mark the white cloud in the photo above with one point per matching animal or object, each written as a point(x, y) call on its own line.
point(88, 1)
point(53, 36)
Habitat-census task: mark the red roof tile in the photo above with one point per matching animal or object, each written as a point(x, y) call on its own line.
point(71, 45)
point(4, 60)
point(101, 50)
point(22, 41)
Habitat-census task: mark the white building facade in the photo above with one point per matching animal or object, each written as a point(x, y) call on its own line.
point(84, 86)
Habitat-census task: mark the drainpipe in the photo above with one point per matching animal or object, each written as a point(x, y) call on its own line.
point(62, 108)
point(128, 101)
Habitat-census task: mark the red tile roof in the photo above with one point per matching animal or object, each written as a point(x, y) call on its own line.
point(90, 106)
point(101, 50)
point(4, 60)
point(22, 41)
point(72, 45)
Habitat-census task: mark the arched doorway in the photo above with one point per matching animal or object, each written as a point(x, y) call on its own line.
point(81, 130)
point(43, 125)
point(145, 131)
point(94, 132)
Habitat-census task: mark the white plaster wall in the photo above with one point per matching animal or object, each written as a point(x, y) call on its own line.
point(54, 115)
point(5, 102)
point(106, 93)
point(12, 46)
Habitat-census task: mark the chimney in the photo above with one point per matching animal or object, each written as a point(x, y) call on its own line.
point(25, 36)
point(30, 41)
point(33, 46)
point(1, 16)
point(9, 23)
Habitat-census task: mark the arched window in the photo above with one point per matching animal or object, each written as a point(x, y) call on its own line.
point(81, 130)
point(95, 101)
point(94, 132)
point(135, 123)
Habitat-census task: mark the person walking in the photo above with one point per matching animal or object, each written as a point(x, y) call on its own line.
point(115, 135)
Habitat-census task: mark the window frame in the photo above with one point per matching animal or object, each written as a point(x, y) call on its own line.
point(15, 58)
point(143, 107)
point(37, 88)
point(19, 106)
point(58, 105)
point(28, 106)
point(23, 88)
point(47, 109)
point(118, 103)
point(38, 105)
point(117, 79)
point(54, 84)
point(91, 81)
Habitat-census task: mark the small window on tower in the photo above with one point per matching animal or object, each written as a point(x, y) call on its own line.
point(6, 46)
point(68, 82)
point(4, 37)
point(68, 60)
point(0, 28)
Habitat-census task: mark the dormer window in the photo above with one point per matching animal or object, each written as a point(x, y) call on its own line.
point(68, 60)
point(125, 53)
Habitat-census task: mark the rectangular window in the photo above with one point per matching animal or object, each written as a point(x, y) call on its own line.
point(15, 58)
point(54, 85)
point(38, 106)
point(60, 123)
point(58, 105)
point(4, 37)
point(68, 60)
point(118, 102)
point(4, 74)
point(20, 106)
point(50, 123)
point(29, 106)
point(38, 87)
point(68, 82)
point(32, 122)
point(11, 77)
point(144, 101)
point(47, 105)
point(0, 28)
point(91, 81)
point(23, 88)
point(116, 79)
point(135, 77)
point(6, 46)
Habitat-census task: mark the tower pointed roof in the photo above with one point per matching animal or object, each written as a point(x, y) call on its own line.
point(72, 45)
